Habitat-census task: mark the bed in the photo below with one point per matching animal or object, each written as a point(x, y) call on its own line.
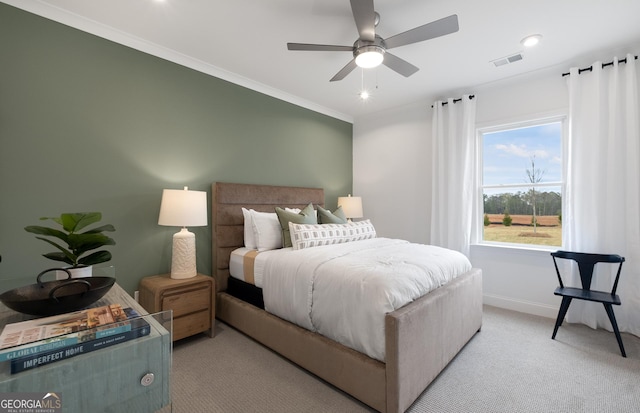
point(421, 338)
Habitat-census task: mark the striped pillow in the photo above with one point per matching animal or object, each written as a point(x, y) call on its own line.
point(316, 235)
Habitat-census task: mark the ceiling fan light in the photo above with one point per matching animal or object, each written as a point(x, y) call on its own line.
point(369, 57)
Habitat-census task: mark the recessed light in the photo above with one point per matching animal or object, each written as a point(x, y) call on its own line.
point(531, 40)
point(364, 95)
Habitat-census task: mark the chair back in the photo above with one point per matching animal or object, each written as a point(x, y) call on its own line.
point(586, 263)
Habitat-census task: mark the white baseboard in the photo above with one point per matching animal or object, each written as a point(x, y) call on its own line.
point(528, 307)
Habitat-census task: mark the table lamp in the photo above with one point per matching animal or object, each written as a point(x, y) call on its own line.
point(351, 206)
point(183, 208)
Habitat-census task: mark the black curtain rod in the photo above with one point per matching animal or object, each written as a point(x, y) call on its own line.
point(590, 68)
point(457, 100)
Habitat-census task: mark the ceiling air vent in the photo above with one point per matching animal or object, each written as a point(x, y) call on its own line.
point(508, 59)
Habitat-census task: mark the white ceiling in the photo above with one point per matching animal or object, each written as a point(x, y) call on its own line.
point(244, 41)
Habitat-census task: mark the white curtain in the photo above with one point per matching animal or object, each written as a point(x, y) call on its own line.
point(602, 196)
point(454, 173)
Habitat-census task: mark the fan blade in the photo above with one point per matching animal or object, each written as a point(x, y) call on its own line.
point(319, 47)
point(401, 66)
point(365, 16)
point(446, 25)
point(345, 71)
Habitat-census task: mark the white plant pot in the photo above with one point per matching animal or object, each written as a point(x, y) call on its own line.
point(79, 272)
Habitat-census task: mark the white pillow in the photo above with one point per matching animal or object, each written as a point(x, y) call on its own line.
point(266, 230)
point(315, 235)
point(249, 237)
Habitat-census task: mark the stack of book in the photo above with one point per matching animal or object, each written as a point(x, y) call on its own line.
point(38, 342)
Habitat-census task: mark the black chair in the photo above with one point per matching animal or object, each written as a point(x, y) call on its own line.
point(586, 262)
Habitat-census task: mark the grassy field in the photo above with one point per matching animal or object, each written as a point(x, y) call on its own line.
point(548, 231)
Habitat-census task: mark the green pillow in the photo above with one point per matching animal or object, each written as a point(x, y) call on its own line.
point(327, 217)
point(306, 216)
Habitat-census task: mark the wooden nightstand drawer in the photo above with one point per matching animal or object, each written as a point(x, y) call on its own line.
point(192, 301)
point(187, 325)
point(188, 301)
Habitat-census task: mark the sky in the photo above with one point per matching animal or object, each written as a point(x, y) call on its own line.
point(507, 155)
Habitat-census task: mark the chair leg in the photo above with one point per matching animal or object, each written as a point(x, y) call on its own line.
point(614, 324)
point(564, 306)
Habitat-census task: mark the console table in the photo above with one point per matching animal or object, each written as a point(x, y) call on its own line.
point(133, 376)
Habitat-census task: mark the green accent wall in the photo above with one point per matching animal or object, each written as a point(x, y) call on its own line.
point(90, 125)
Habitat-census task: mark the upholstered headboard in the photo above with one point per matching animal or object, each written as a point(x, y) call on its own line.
point(228, 223)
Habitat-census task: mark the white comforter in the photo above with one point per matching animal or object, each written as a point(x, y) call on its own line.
point(344, 291)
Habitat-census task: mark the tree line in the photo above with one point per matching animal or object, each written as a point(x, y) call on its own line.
point(521, 203)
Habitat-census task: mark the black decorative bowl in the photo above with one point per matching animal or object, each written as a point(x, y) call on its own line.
point(57, 297)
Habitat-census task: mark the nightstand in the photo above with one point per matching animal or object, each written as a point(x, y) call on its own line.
point(192, 301)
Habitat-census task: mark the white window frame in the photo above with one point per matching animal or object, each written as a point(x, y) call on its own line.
point(517, 123)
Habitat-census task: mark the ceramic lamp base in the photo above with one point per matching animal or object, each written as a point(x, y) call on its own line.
point(183, 257)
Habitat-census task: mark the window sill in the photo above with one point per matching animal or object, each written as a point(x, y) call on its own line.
point(486, 247)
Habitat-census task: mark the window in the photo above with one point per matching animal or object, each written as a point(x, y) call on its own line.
point(522, 183)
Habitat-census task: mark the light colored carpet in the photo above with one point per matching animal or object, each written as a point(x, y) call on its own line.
point(512, 366)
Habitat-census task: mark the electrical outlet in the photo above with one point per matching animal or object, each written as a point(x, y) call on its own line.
point(136, 295)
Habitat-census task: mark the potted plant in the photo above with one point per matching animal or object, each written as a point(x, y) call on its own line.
point(76, 245)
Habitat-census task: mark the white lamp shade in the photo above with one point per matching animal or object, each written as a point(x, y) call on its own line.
point(183, 208)
point(351, 206)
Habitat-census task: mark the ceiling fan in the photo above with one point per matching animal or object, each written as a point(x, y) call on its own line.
point(370, 50)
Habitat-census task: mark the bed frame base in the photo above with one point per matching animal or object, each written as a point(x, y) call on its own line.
point(353, 372)
point(421, 339)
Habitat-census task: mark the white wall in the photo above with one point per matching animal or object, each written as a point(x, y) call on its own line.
point(392, 173)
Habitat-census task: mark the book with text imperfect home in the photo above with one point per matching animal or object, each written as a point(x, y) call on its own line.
point(49, 333)
point(139, 328)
